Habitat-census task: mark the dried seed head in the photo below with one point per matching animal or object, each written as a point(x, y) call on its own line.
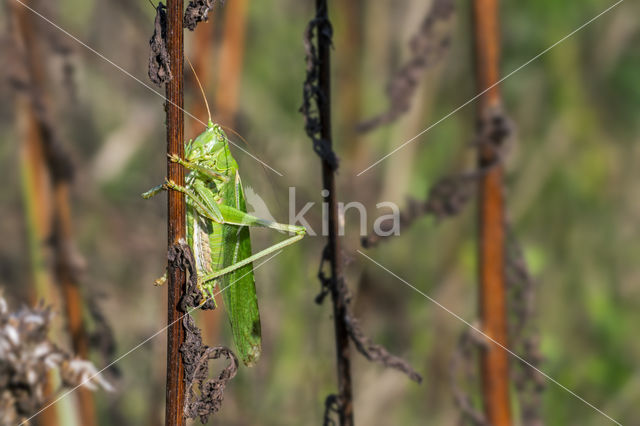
point(26, 357)
point(197, 11)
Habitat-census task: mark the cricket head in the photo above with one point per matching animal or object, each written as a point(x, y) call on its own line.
point(203, 144)
point(211, 146)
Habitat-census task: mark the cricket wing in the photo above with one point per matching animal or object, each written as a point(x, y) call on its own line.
point(239, 293)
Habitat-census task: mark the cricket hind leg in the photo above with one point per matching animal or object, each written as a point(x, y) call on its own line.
point(239, 218)
point(213, 275)
point(233, 216)
point(207, 292)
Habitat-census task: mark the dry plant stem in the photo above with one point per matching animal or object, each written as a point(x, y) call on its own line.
point(203, 50)
point(35, 204)
point(335, 251)
point(349, 83)
point(174, 413)
point(65, 276)
point(493, 310)
point(38, 201)
point(231, 61)
point(60, 215)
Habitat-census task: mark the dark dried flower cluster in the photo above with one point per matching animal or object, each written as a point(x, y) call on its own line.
point(373, 352)
point(367, 348)
point(463, 374)
point(523, 335)
point(428, 46)
point(314, 99)
point(203, 395)
point(159, 60)
point(197, 11)
point(196, 357)
point(447, 198)
point(26, 358)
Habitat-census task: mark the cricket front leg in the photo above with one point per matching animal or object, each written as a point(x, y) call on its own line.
point(202, 205)
point(160, 281)
point(153, 191)
point(213, 174)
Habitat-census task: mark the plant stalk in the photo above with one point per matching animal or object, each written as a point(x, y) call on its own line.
point(494, 361)
point(174, 412)
point(56, 217)
point(335, 251)
point(231, 61)
point(202, 57)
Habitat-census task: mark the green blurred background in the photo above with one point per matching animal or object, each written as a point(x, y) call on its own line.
point(572, 184)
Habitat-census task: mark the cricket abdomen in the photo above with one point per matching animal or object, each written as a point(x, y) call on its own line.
point(205, 239)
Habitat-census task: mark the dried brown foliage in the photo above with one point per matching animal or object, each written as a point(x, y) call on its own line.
point(524, 341)
point(159, 58)
point(493, 136)
point(331, 408)
point(159, 61)
point(464, 377)
point(196, 357)
point(374, 352)
point(447, 198)
point(523, 334)
point(313, 97)
point(26, 358)
point(197, 11)
point(428, 46)
point(102, 338)
point(370, 350)
point(203, 396)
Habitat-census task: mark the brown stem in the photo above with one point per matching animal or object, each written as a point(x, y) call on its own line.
point(493, 310)
point(36, 211)
point(231, 59)
point(349, 82)
point(174, 415)
point(66, 277)
point(59, 214)
point(202, 58)
point(335, 251)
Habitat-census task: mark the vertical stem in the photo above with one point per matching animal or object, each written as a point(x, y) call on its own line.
point(231, 59)
point(176, 213)
point(203, 53)
point(71, 292)
point(493, 310)
point(335, 253)
point(58, 212)
point(36, 206)
point(349, 82)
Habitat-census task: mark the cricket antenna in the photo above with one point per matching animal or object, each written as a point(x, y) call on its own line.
point(152, 5)
point(201, 89)
point(236, 133)
point(264, 169)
